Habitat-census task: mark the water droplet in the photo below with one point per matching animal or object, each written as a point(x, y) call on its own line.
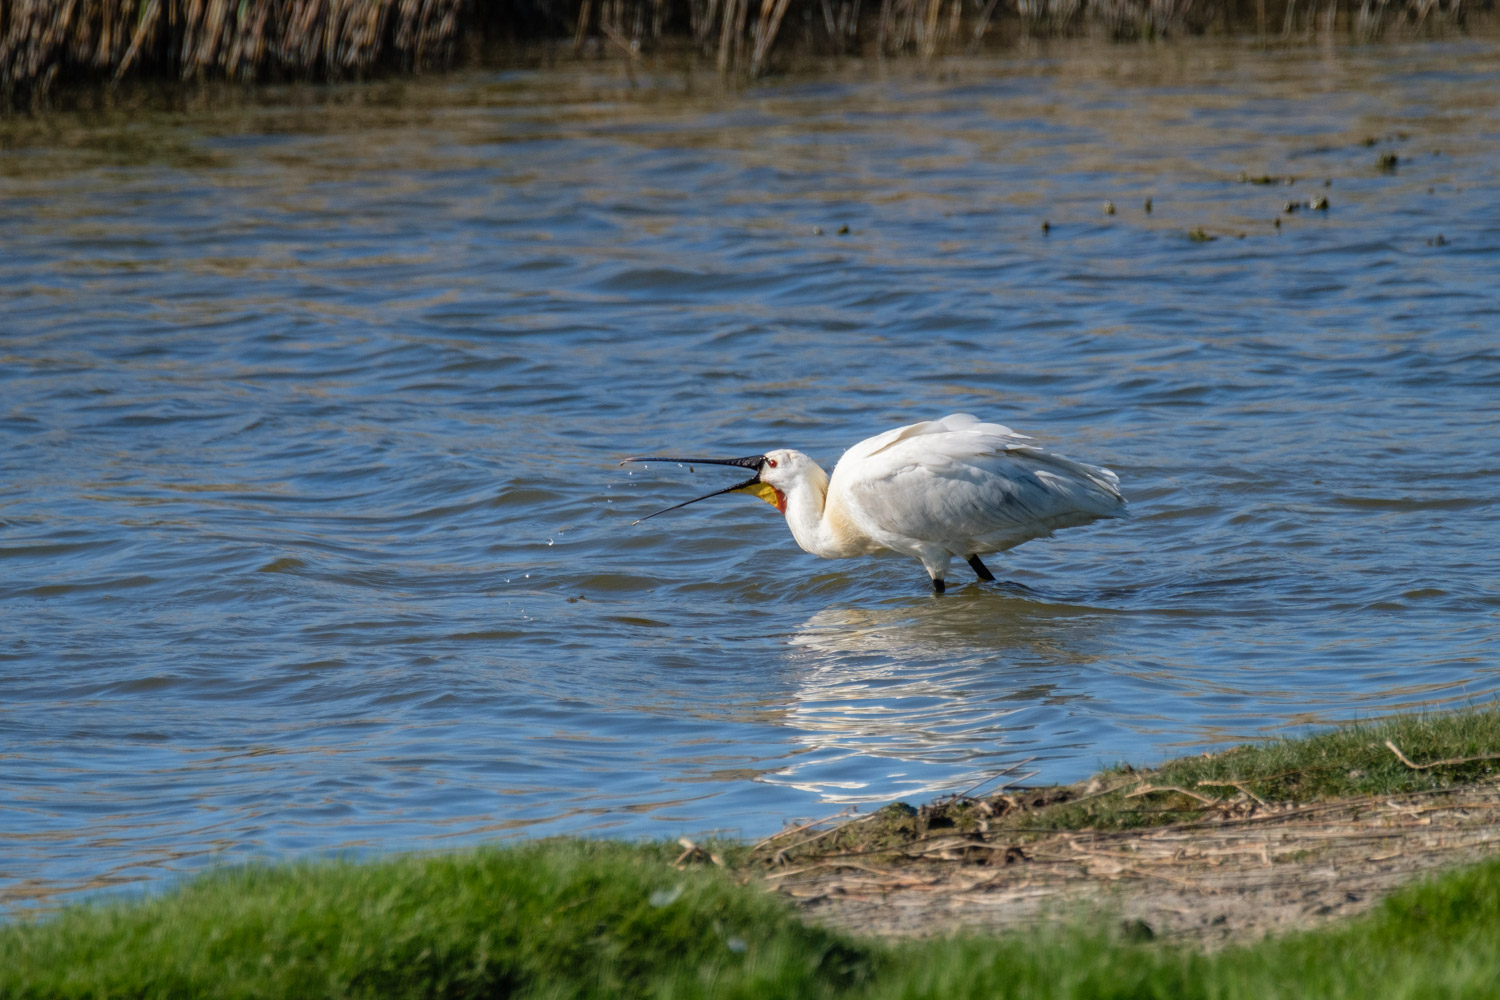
point(666, 897)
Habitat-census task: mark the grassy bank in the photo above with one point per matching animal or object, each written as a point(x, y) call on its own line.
point(49, 43)
point(605, 920)
point(586, 919)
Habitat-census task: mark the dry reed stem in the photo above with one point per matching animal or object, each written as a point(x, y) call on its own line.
point(706, 24)
point(693, 850)
point(807, 826)
point(1438, 763)
point(929, 30)
point(726, 32)
point(1235, 784)
point(1148, 789)
point(581, 31)
point(768, 36)
point(1008, 772)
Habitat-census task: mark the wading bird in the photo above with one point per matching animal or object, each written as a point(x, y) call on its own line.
point(934, 490)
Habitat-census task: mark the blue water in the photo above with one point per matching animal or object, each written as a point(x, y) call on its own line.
point(313, 535)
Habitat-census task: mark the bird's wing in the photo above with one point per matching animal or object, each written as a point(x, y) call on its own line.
point(969, 486)
point(952, 422)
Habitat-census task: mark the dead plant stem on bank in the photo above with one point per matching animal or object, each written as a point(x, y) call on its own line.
point(1438, 763)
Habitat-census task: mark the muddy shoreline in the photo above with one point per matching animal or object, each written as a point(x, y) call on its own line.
point(1245, 869)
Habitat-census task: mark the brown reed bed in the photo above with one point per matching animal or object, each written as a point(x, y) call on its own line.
point(47, 43)
point(740, 35)
point(44, 42)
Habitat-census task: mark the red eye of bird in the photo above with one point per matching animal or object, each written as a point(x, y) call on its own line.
point(771, 462)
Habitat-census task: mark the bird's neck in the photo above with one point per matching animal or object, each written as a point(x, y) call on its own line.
point(817, 529)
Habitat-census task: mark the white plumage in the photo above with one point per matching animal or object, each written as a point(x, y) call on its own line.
point(932, 490)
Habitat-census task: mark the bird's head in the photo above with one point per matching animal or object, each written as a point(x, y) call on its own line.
point(776, 472)
point(784, 469)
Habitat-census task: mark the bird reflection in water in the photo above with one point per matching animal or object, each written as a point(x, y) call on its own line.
point(951, 694)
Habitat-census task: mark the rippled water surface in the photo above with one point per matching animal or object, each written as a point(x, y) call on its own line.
point(313, 536)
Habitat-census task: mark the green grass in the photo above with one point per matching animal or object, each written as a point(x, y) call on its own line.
point(566, 919)
point(580, 919)
point(1338, 763)
point(561, 919)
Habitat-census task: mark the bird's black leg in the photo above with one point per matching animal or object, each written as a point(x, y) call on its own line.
point(937, 585)
point(981, 569)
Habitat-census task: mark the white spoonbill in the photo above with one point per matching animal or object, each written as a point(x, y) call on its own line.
point(934, 490)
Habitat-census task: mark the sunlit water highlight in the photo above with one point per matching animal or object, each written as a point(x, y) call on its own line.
point(312, 535)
